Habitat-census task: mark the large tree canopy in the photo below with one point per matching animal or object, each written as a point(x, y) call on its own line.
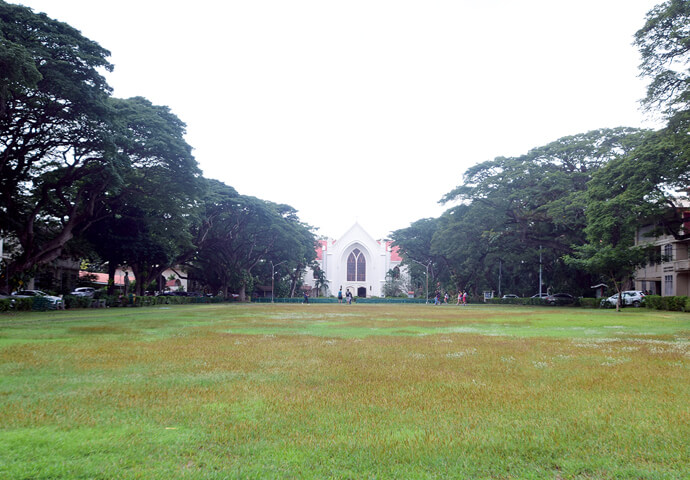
point(513, 207)
point(56, 153)
point(152, 214)
point(244, 233)
point(664, 42)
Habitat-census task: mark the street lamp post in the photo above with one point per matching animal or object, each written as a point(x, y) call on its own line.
point(273, 275)
point(427, 276)
point(540, 271)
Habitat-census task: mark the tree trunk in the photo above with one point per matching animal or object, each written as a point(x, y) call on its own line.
point(112, 268)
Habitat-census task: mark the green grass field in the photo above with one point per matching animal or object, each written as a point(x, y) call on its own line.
point(337, 391)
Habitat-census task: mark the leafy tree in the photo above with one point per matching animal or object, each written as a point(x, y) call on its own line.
point(320, 280)
point(614, 212)
point(56, 154)
point(414, 243)
point(149, 221)
point(393, 285)
point(664, 43)
point(244, 234)
point(514, 206)
point(649, 184)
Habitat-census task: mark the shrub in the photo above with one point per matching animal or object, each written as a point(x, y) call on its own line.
point(73, 301)
point(675, 304)
point(654, 302)
point(6, 304)
point(24, 304)
point(590, 302)
point(514, 301)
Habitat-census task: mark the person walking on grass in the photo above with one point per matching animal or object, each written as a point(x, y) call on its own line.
point(306, 298)
point(340, 295)
point(459, 297)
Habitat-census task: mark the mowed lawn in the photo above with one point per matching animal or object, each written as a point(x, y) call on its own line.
point(337, 391)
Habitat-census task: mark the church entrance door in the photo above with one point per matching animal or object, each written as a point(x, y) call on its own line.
point(362, 292)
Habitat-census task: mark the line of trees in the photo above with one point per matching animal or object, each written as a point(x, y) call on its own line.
point(571, 207)
point(84, 174)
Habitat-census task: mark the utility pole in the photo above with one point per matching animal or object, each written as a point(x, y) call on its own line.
point(273, 275)
point(500, 267)
point(427, 276)
point(540, 283)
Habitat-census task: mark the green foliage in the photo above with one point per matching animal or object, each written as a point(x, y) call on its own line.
point(414, 243)
point(73, 301)
point(664, 43)
point(147, 230)
point(6, 304)
point(590, 302)
point(53, 135)
point(516, 210)
point(579, 302)
point(670, 303)
point(245, 234)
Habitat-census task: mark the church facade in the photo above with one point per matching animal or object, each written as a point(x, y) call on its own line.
point(355, 262)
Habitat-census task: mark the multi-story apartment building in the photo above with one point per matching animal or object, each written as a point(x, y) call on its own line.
point(670, 275)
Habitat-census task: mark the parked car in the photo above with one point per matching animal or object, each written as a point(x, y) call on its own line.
point(560, 299)
point(83, 292)
point(173, 294)
point(630, 297)
point(37, 293)
point(510, 295)
point(540, 295)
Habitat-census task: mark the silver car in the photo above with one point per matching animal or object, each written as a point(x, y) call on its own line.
point(37, 293)
point(633, 298)
point(83, 292)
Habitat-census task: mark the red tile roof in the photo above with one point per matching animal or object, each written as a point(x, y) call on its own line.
point(395, 252)
point(102, 278)
point(319, 248)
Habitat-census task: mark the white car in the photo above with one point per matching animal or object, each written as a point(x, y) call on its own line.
point(37, 293)
point(630, 297)
point(83, 292)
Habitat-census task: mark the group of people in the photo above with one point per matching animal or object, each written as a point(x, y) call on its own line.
point(462, 298)
point(348, 296)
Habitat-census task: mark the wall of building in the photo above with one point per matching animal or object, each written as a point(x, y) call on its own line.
point(333, 261)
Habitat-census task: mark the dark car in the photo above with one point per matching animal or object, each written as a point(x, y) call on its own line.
point(560, 299)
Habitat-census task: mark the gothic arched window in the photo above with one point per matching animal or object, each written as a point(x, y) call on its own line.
point(356, 267)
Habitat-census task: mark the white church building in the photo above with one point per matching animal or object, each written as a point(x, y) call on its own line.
point(355, 262)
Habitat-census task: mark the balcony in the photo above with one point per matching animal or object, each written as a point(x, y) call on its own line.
point(681, 265)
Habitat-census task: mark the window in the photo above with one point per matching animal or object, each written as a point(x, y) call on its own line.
point(356, 267)
point(668, 253)
point(668, 285)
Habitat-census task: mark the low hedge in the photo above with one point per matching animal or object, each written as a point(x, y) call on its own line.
point(671, 303)
point(334, 300)
point(72, 301)
point(6, 304)
point(590, 302)
point(579, 302)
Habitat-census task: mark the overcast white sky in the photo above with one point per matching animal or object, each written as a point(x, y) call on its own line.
point(368, 111)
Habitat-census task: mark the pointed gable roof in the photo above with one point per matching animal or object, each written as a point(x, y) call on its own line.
point(357, 231)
